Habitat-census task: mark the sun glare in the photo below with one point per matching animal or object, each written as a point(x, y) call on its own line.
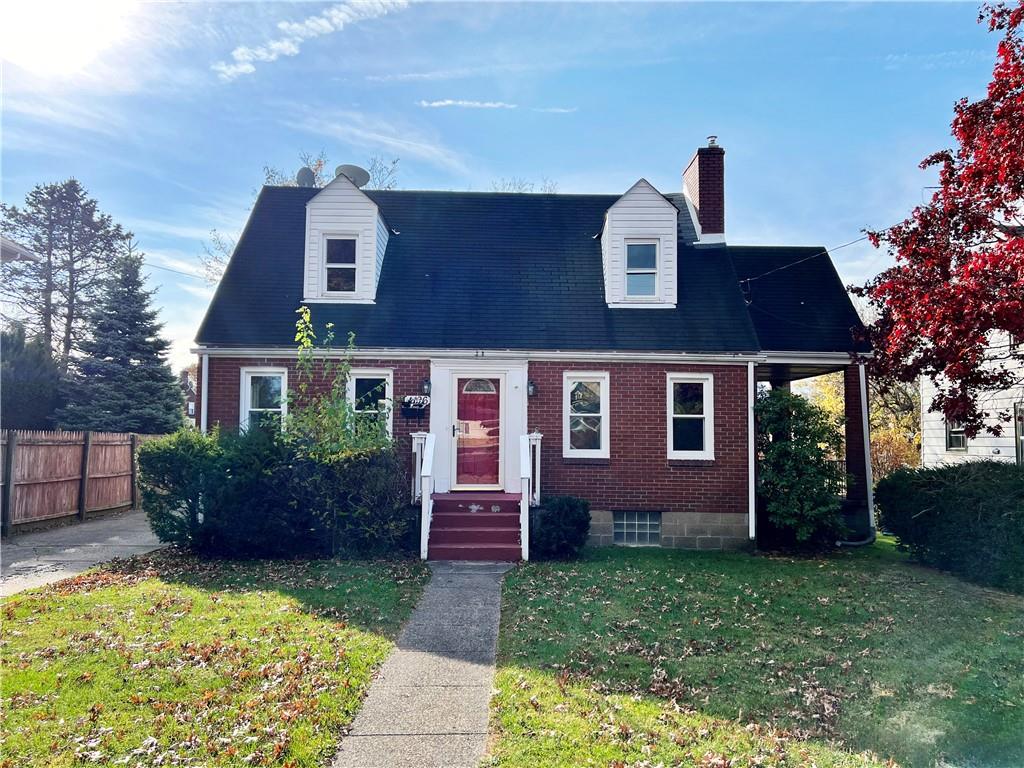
point(57, 39)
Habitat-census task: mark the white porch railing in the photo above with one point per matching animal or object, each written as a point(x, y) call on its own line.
point(426, 489)
point(525, 473)
point(418, 441)
point(529, 475)
point(535, 438)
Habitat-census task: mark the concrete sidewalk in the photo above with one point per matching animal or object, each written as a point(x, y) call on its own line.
point(429, 705)
point(34, 559)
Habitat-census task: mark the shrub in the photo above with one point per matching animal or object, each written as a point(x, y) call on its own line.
point(262, 507)
point(559, 528)
point(253, 494)
point(966, 518)
point(176, 474)
point(327, 482)
point(796, 476)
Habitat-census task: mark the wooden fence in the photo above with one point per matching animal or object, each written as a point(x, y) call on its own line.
point(49, 475)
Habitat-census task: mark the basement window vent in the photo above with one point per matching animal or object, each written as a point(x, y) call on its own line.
point(633, 529)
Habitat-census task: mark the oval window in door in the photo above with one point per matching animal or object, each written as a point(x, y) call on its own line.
point(479, 387)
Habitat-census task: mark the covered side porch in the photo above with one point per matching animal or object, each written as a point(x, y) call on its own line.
point(781, 371)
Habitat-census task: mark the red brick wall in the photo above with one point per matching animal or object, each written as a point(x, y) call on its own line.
point(704, 181)
point(225, 379)
point(857, 487)
point(638, 474)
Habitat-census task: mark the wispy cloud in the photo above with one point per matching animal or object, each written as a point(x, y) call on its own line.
point(454, 73)
point(556, 110)
point(937, 60)
point(375, 134)
point(197, 289)
point(466, 104)
point(334, 19)
point(176, 261)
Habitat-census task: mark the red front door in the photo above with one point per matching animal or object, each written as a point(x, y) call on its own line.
point(477, 432)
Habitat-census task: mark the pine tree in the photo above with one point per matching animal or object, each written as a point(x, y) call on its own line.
point(123, 382)
point(30, 381)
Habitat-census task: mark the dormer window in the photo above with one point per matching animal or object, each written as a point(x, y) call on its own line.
point(340, 266)
point(641, 269)
point(638, 250)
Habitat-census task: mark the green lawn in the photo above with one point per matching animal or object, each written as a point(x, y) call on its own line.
point(647, 657)
point(168, 660)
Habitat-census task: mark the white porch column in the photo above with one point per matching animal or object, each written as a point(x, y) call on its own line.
point(866, 432)
point(205, 394)
point(751, 453)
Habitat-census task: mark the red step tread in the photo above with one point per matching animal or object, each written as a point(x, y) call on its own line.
point(503, 552)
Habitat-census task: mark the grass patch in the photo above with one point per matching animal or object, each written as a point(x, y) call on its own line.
point(170, 660)
point(695, 659)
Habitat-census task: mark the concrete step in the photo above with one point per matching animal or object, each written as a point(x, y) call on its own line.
point(479, 552)
point(474, 535)
point(476, 503)
point(475, 519)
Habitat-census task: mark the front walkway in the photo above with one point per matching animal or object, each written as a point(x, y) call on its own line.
point(429, 706)
point(33, 559)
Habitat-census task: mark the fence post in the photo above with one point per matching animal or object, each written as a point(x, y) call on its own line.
point(7, 512)
point(83, 483)
point(134, 448)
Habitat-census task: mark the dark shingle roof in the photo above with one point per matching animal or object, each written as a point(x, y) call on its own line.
point(476, 271)
point(803, 307)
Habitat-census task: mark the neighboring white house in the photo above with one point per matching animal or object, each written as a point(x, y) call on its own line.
point(943, 442)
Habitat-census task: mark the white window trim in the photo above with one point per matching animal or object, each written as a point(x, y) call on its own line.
point(355, 292)
point(708, 380)
point(949, 430)
point(374, 373)
point(568, 379)
point(652, 297)
point(245, 391)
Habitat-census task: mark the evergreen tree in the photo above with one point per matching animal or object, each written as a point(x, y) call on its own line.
point(123, 382)
point(76, 244)
point(30, 381)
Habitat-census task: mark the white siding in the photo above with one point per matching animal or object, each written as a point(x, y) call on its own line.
point(342, 209)
point(382, 244)
point(984, 446)
point(643, 214)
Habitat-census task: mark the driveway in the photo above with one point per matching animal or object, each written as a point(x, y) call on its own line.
point(34, 559)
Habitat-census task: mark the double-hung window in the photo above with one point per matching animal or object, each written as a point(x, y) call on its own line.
point(264, 393)
point(340, 264)
point(369, 391)
point(956, 438)
point(691, 413)
point(641, 269)
point(585, 410)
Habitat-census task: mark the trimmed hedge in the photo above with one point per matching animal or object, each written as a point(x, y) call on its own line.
point(253, 494)
point(966, 518)
point(559, 528)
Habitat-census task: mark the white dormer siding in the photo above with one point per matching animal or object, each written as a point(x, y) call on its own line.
point(641, 217)
point(341, 210)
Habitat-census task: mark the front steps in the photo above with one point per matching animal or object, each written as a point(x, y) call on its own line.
point(472, 525)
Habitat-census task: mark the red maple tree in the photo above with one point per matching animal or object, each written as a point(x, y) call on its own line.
point(954, 300)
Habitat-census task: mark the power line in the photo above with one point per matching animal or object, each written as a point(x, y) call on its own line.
point(175, 271)
point(801, 261)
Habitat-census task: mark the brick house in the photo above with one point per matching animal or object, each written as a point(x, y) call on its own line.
point(604, 346)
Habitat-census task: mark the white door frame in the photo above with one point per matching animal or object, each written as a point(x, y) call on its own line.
point(442, 416)
point(460, 373)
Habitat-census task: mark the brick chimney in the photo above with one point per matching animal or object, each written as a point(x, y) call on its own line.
point(704, 182)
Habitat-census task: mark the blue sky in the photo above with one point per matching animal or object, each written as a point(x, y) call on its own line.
point(168, 112)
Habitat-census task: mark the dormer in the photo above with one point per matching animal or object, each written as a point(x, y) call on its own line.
point(638, 250)
point(346, 237)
